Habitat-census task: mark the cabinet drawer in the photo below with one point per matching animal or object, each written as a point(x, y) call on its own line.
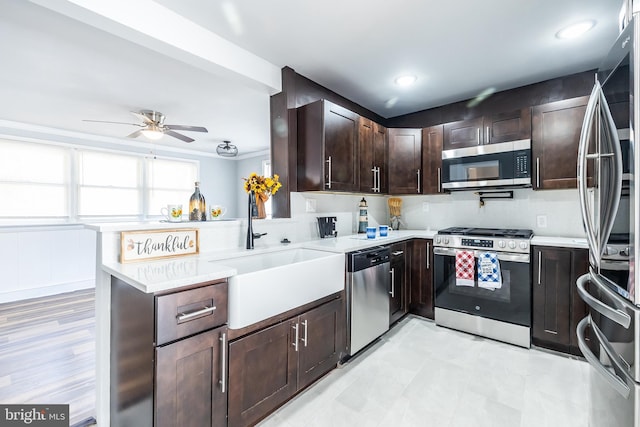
point(188, 312)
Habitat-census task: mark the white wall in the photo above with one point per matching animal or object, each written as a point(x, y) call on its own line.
point(218, 184)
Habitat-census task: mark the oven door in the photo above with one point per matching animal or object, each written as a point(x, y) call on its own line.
point(511, 303)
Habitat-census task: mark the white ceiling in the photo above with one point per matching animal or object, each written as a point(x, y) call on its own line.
point(59, 69)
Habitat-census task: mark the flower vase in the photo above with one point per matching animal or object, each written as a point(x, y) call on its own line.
point(262, 212)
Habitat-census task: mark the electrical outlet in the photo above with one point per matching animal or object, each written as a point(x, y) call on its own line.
point(310, 205)
point(541, 220)
point(425, 207)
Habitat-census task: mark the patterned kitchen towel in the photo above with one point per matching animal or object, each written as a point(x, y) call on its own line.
point(489, 276)
point(465, 268)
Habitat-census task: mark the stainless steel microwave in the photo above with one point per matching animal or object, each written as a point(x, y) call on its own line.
point(507, 164)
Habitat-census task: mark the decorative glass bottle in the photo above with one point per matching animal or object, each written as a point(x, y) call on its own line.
point(197, 206)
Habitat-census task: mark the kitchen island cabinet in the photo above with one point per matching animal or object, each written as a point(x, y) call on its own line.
point(168, 363)
point(267, 367)
point(557, 307)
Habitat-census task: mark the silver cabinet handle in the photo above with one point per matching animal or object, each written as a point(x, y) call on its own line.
point(223, 363)
point(418, 180)
point(539, 266)
point(393, 282)
point(478, 137)
point(374, 179)
point(328, 183)
point(488, 140)
point(186, 316)
point(379, 180)
point(396, 253)
point(305, 339)
point(616, 382)
point(428, 249)
point(439, 180)
point(295, 340)
point(538, 172)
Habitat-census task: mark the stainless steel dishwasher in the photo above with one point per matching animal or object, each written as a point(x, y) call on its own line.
point(368, 282)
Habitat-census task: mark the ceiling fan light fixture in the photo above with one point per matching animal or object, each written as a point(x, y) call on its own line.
point(227, 149)
point(152, 132)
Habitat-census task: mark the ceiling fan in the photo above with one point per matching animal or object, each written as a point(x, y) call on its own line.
point(153, 126)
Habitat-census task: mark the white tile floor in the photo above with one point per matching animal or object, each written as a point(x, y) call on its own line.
point(420, 374)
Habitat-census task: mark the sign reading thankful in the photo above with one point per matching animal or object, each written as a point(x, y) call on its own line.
point(156, 244)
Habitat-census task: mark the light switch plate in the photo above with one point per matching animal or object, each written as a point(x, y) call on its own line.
point(310, 205)
point(541, 220)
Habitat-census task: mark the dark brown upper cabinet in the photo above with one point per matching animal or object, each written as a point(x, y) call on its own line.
point(372, 140)
point(327, 148)
point(491, 129)
point(556, 128)
point(405, 158)
point(432, 160)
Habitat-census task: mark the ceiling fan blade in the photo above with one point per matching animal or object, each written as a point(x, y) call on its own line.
point(142, 117)
point(189, 128)
point(117, 123)
point(179, 136)
point(134, 134)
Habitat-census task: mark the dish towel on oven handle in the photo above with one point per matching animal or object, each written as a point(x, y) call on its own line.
point(465, 268)
point(489, 275)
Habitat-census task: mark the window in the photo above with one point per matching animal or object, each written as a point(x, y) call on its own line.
point(41, 181)
point(170, 182)
point(34, 180)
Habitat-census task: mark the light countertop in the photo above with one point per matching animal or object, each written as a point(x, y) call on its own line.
point(561, 242)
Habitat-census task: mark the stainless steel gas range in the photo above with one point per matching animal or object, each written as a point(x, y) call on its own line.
point(483, 282)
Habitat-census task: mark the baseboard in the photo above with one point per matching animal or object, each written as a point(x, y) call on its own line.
point(45, 291)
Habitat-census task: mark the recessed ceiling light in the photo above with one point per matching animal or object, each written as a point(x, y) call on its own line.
point(407, 80)
point(575, 30)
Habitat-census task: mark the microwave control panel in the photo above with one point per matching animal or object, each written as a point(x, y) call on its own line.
point(479, 243)
point(522, 160)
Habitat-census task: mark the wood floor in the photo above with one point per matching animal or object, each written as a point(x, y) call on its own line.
point(47, 352)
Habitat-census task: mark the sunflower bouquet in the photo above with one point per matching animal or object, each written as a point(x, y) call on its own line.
point(262, 186)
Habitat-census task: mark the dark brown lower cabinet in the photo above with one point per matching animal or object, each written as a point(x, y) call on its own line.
point(398, 282)
point(188, 389)
point(421, 294)
point(266, 368)
point(557, 307)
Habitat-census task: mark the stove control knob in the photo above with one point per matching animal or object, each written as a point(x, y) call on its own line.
point(523, 245)
point(624, 252)
point(446, 240)
point(512, 244)
point(502, 243)
point(611, 251)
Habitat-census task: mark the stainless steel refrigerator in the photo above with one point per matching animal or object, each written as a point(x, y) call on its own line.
point(608, 162)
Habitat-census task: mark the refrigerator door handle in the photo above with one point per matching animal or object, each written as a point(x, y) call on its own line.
point(583, 148)
point(614, 381)
point(616, 314)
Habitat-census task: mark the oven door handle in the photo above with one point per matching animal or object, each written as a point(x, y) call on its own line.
point(502, 256)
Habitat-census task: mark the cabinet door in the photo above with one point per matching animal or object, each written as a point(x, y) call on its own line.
point(552, 297)
point(398, 283)
point(321, 341)
point(421, 295)
point(405, 148)
point(188, 390)
point(508, 126)
point(341, 148)
point(579, 308)
point(262, 373)
point(365, 153)
point(555, 136)
point(432, 160)
point(380, 156)
point(464, 133)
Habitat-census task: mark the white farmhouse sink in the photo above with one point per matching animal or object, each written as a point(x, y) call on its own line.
point(271, 283)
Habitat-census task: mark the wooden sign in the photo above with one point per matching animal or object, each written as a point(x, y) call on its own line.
point(157, 244)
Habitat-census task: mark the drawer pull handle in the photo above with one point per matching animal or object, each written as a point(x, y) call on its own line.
point(186, 316)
